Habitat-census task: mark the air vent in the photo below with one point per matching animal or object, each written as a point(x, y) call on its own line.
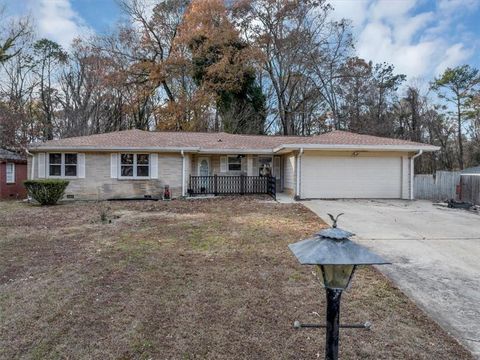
point(70, 196)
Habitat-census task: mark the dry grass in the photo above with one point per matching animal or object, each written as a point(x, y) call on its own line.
point(185, 280)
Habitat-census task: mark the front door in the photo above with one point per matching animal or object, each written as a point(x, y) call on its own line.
point(203, 167)
point(204, 170)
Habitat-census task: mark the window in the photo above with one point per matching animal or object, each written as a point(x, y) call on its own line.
point(10, 173)
point(134, 165)
point(61, 164)
point(234, 163)
point(55, 163)
point(70, 165)
point(264, 166)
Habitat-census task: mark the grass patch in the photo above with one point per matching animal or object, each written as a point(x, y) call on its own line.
point(186, 280)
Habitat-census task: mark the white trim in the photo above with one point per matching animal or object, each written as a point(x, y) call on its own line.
point(183, 172)
point(236, 151)
point(42, 168)
point(81, 165)
point(223, 164)
point(250, 169)
point(228, 163)
point(285, 147)
point(62, 166)
point(356, 147)
point(141, 150)
point(153, 163)
point(412, 173)
point(299, 164)
point(32, 165)
point(12, 174)
point(277, 172)
point(114, 165)
point(134, 165)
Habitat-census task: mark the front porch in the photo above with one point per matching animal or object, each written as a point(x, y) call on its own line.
point(234, 174)
point(232, 185)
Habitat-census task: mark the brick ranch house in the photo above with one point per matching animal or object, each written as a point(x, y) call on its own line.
point(13, 171)
point(135, 163)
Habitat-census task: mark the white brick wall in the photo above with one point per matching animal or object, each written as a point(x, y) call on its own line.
point(98, 184)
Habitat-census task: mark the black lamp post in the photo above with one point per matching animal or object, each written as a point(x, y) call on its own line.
point(336, 257)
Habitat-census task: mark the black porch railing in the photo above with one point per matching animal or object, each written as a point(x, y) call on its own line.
point(232, 185)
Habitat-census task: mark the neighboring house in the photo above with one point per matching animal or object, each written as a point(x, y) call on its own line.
point(137, 163)
point(13, 172)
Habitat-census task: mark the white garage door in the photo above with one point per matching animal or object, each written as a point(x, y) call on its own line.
point(351, 177)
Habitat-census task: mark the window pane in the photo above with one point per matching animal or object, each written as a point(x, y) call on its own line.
point(127, 158)
point(142, 170)
point(265, 166)
point(70, 170)
point(234, 164)
point(55, 158)
point(142, 159)
point(55, 170)
point(70, 159)
point(10, 173)
point(127, 171)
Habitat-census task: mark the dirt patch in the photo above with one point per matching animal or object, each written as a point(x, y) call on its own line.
point(209, 279)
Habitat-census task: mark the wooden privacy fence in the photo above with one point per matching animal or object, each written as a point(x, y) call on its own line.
point(438, 187)
point(232, 185)
point(470, 188)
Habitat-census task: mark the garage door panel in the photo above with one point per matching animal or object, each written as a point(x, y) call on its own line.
point(351, 177)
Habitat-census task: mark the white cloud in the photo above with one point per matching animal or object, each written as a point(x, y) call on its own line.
point(58, 21)
point(454, 55)
point(418, 43)
point(454, 5)
point(391, 9)
point(356, 11)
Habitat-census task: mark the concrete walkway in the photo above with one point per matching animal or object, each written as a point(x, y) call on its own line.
point(435, 253)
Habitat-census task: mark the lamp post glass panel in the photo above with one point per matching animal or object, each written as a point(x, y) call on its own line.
point(336, 257)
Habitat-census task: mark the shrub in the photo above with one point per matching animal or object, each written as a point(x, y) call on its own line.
point(46, 192)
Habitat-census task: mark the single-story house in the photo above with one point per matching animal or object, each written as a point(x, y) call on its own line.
point(135, 163)
point(13, 172)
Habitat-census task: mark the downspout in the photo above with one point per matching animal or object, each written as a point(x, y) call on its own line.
point(412, 170)
point(299, 158)
point(32, 170)
point(183, 172)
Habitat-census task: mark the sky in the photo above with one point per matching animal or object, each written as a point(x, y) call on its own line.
point(420, 37)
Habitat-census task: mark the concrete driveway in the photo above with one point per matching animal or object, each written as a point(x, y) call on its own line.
point(435, 254)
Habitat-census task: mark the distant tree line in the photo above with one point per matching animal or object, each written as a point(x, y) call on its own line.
point(245, 66)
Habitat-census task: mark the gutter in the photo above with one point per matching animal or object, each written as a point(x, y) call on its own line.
point(353, 147)
point(236, 151)
point(114, 149)
point(32, 175)
point(412, 170)
point(299, 162)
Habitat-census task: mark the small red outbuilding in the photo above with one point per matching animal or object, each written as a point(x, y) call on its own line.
point(13, 172)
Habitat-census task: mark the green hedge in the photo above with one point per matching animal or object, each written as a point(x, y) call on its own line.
point(46, 192)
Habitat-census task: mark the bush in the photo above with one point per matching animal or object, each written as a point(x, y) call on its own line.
point(46, 192)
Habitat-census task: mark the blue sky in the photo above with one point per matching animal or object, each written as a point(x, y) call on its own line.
point(420, 37)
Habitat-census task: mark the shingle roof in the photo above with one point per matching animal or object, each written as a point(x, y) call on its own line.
point(10, 155)
point(216, 141)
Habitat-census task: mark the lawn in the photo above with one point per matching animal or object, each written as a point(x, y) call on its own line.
point(192, 279)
